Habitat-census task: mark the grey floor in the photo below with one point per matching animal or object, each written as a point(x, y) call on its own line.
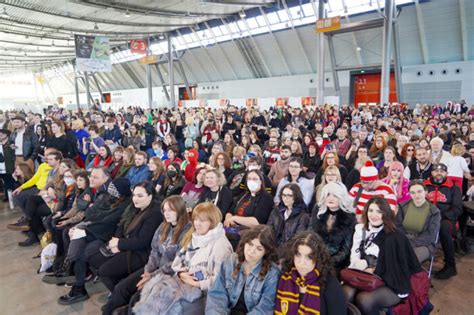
point(23, 292)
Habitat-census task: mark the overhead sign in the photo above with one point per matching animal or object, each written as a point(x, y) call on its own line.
point(138, 46)
point(148, 60)
point(328, 24)
point(92, 53)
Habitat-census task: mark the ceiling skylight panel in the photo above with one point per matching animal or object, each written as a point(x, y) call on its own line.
point(252, 23)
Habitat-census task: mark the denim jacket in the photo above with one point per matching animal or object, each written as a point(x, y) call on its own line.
point(259, 294)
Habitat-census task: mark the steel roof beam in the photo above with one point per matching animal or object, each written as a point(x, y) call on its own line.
point(421, 30)
point(357, 26)
point(464, 31)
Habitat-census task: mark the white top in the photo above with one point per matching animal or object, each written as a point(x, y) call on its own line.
point(370, 247)
point(457, 165)
point(19, 142)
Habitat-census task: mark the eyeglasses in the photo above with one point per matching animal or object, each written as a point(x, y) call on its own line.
point(287, 195)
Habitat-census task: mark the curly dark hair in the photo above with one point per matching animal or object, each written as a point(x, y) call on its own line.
point(319, 254)
point(265, 235)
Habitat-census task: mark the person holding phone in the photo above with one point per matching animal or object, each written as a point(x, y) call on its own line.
point(196, 266)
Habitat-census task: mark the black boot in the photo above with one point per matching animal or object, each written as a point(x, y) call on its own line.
point(31, 240)
point(446, 273)
point(77, 294)
point(65, 270)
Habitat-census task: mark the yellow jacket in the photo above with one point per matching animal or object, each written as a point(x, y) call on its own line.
point(40, 177)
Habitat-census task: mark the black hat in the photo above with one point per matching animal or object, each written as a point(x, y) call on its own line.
point(440, 166)
point(5, 131)
point(120, 187)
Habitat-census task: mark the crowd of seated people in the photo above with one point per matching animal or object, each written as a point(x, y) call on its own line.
point(241, 211)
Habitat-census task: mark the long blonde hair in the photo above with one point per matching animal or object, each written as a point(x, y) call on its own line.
point(331, 168)
point(206, 211)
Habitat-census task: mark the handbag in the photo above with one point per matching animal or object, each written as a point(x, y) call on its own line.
point(361, 280)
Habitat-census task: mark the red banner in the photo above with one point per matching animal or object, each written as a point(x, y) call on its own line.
point(138, 46)
point(307, 101)
point(281, 102)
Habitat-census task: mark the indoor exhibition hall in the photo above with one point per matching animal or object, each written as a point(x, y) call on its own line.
point(232, 157)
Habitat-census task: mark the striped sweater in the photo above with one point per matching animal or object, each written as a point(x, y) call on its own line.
point(382, 190)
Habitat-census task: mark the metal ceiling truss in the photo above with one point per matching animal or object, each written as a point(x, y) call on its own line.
point(421, 30)
point(206, 52)
point(124, 7)
point(297, 36)
point(69, 15)
point(260, 59)
point(191, 53)
point(464, 37)
point(249, 69)
point(224, 55)
point(270, 31)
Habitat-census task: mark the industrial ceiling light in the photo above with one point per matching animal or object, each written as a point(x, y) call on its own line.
point(242, 14)
point(4, 14)
point(358, 48)
point(52, 44)
point(127, 14)
point(96, 27)
point(161, 37)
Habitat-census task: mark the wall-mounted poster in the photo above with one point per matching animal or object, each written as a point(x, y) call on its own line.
point(308, 101)
point(92, 53)
point(281, 102)
point(251, 102)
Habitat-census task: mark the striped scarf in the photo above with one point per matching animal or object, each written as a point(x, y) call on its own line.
point(288, 294)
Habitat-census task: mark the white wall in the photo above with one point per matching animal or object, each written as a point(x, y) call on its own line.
point(426, 88)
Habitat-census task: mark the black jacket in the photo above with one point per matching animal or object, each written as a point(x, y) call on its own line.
point(396, 261)
point(30, 141)
point(138, 240)
point(64, 145)
point(224, 199)
point(339, 240)
point(447, 197)
point(9, 157)
point(259, 206)
point(106, 218)
point(283, 229)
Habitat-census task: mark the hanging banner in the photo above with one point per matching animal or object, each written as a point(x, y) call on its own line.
point(224, 102)
point(251, 102)
point(308, 101)
point(329, 24)
point(138, 46)
point(92, 53)
point(281, 102)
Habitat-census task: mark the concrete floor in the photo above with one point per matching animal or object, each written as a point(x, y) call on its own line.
point(23, 292)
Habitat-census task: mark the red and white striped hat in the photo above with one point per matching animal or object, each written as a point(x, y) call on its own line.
point(368, 172)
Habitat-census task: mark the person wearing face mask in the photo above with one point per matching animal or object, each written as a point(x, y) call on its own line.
point(380, 248)
point(445, 195)
point(307, 285)
point(334, 220)
point(247, 280)
point(290, 216)
point(99, 224)
point(174, 181)
point(253, 208)
point(237, 181)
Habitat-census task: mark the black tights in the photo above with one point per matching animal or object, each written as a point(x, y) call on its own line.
point(370, 303)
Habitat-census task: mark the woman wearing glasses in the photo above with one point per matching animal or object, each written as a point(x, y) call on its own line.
point(290, 216)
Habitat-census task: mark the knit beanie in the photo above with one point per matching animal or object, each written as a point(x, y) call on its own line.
point(120, 187)
point(368, 172)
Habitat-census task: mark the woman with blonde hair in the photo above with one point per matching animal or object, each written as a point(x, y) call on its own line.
point(203, 249)
point(331, 174)
point(216, 191)
point(457, 165)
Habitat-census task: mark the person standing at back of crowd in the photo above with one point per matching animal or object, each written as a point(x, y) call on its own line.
point(24, 142)
point(7, 163)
